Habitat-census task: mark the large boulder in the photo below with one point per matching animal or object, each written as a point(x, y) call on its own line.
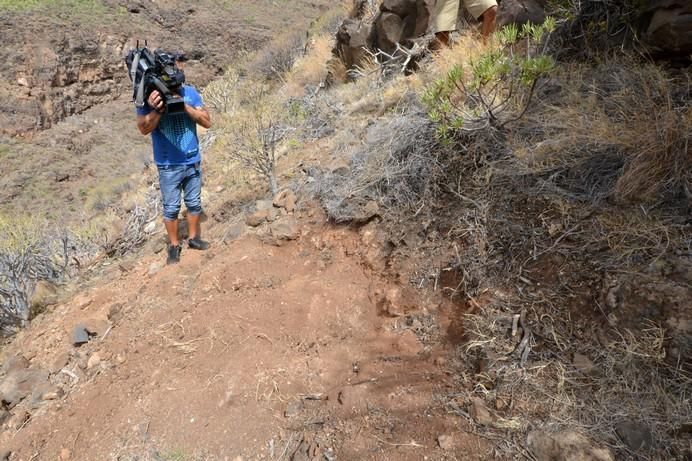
point(520, 12)
point(669, 30)
point(352, 39)
point(389, 31)
point(400, 21)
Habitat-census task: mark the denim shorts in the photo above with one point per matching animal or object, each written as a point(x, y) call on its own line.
point(175, 180)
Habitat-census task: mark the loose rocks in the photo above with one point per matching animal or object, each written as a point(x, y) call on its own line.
point(293, 409)
point(480, 413)
point(284, 229)
point(285, 199)
point(565, 446)
point(635, 435)
point(21, 383)
point(80, 335)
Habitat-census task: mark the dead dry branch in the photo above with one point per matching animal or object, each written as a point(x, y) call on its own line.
point(386, 65)
point(134, 234)
point(625, 137)
point(398, 168)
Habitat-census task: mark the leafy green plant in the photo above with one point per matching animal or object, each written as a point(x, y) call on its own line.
point(497, 87)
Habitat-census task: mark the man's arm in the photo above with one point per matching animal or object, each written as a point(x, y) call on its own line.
point(148, 123)
point(200, 115)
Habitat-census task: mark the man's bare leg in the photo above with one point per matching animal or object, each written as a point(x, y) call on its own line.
point(172, 231)
point(489, 18)
point(442, 39)
point(193, 226)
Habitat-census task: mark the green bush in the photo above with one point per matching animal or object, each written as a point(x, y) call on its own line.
point(496, 88)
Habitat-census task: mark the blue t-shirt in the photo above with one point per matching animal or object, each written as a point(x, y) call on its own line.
point(175, 139)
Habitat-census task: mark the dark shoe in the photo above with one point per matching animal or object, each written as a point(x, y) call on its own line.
point(198, 244)
point(173, 254)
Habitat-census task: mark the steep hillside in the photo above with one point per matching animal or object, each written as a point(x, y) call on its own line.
point(68, 146)
point(482, 252)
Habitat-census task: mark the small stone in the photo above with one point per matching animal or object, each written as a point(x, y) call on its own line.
point(257, 218)
point(119, 359)
point(480, 412)
point(93, 361)
point(263, 205)
point(60, 361)
point(18, 362)
point(80, 335)
point(20, 384)
point(635, 435)
point(18, 419)
point(150, 227)
point(500, 404)
point(234, 232)
point(284, 229)
point(339, 167)
point(583, 364)
point(126, 266)
point(5, 455)
point(45, 294)
point(440, 362)
point(115, 313)
point(82, 301)
point(294, 409)
point(52, 395)
point(65, 454)
point(219, 189)
point(446, 442)
point(371, 209)
point(285, 199)
point(565, 445)
point(155, 267)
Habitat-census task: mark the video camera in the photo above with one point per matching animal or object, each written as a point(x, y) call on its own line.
point(155, 70)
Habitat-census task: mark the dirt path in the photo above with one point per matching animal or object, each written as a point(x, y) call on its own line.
point(251, 351)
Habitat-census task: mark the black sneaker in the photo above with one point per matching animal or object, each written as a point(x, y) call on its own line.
point(198, 244)
point(173, 254)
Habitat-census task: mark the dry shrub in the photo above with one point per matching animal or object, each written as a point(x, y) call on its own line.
point(223, 94)
point(619, 130)
point(623, 378)
point(277, 58)
point(133, 234)
point(311, 69)
point(398, 168)
point(250, 137)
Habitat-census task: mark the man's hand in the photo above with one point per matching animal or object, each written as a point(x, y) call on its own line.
point(155, 101)
point(148, 123)
point(199, 115)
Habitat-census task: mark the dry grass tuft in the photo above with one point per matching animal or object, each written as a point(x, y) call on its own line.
point(397, 168)
point(591, 384)
point(618, 131)
point(277, 58)
point(310, 69)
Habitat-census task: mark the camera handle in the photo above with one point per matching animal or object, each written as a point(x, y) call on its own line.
point(139, 91)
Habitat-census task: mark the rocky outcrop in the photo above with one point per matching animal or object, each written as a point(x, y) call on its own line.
point(669, 29)
point(50, 80)
point(520, 12)
point(398, 21)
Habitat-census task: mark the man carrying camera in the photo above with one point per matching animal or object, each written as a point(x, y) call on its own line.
point(178, 159)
